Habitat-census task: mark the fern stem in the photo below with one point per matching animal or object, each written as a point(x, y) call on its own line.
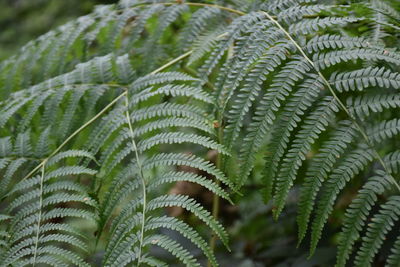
point(168, 64)
point(39, 215)
point(142, 178)
point(87, 124)
point(215, 212)
point(342, 106)
point(163, 67)
point(76, 132)
point(216, 199)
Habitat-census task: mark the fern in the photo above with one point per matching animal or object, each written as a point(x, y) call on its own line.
point(38, 202)
point(101, 116)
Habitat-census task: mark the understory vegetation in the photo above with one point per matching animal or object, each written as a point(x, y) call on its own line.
point(205, 133)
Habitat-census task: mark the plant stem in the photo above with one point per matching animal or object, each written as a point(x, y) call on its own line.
point(340, 103)
point(76, 132)
point(215, 211)
point(216, 199)
point(123, 94)
point(142, 178)
point(36, 241)
point(172, 62)
point(100, 113)
point(168, 64)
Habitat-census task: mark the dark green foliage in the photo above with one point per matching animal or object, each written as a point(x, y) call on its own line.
point(286, 94)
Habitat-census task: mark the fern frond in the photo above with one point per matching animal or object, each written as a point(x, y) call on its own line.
point(197, 24)
point(33, 238)
point(392, 161)
point(178, 138)
point(232, 32)
point(250, 53)
point(191, 205)
point(394, 257)
point(384, 130)
point(320, 43)
point(309, 26)
point(382, 16)
point(152, 50)
point(322, 164)
point(280, 5)
point(250, 90)
point(96, 125)
point(265, 114)
point(205, 43)
point(174, 248)
point(140, 23)
point(365, 105)
point(172, 177)
point(352, 164)
point(363, 78)
point(170, 159)
point(160, 78)
point(174, 122)
point(297, 12)
point(183, 228)
point(174, 91)
point(325, 60)
point(313, 126)
point(357, 213)
point(288, 121)
point(380, 225)
point(118, 139)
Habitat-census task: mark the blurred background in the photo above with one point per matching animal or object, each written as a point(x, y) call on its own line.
point(24, 20)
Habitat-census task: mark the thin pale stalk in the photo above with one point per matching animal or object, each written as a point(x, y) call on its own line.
point(216, 199)
point(332, 91)
point(35, 249)
point(94, 118)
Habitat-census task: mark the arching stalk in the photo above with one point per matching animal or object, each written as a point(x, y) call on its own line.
point(332, 91)
point(39, 219)
point(142, 178)
point(216, 199)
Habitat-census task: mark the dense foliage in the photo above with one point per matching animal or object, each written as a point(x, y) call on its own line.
point(124, 129)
